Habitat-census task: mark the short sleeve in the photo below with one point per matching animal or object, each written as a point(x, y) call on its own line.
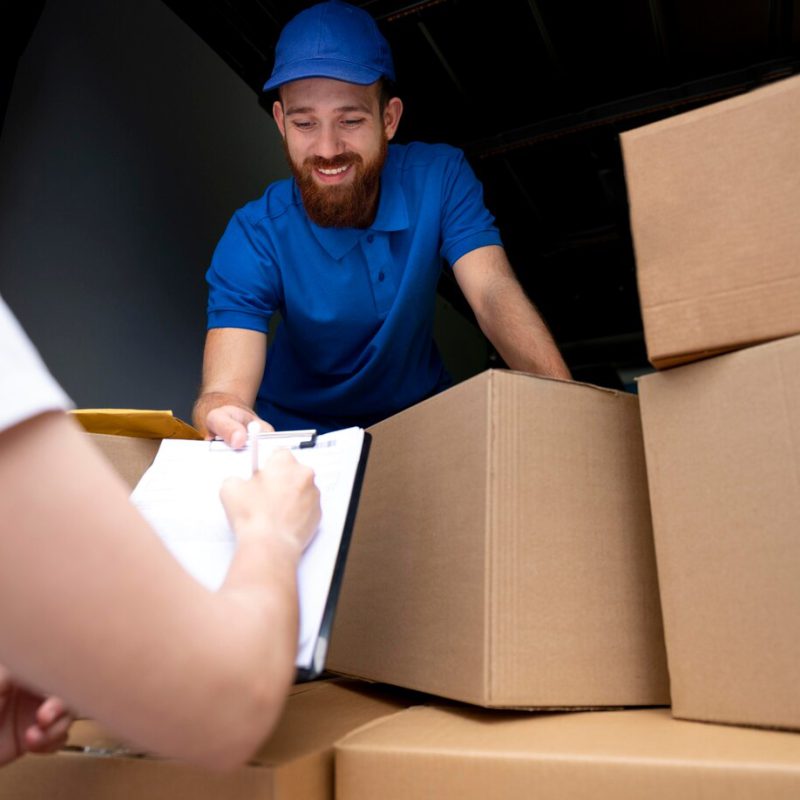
point(27, 388)
point(244, 287)
point(466, 222)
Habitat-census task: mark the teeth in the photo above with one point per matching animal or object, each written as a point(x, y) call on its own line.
point(337, 171)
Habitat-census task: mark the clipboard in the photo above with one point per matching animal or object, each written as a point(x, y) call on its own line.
point(179, 496)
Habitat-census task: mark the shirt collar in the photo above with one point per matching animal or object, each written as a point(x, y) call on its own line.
point(392, 214)
point(392, 209)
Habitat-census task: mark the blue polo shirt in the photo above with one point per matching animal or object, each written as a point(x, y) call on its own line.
point(356, 341)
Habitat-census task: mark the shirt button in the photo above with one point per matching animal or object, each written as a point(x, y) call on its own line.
point(381, 276)
point(370, 238)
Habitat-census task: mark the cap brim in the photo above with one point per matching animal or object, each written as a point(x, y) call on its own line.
point(324, 68)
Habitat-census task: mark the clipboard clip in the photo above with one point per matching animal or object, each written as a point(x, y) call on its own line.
point(307, 438)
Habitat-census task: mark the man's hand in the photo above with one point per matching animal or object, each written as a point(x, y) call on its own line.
point(280, 500)
point(230, 423)
point(29, 723)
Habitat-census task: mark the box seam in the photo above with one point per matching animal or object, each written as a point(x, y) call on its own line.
point(488, 654)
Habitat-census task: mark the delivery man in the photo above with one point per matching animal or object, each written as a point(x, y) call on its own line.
point(349, 251)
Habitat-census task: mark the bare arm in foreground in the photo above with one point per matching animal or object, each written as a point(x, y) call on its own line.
point(233, 365)
point(96, 611)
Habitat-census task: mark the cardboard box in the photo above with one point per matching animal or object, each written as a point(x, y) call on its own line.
point(130, 456)
point(503, 551)
point(296, 762)
point(714, 202)
point(445, 754)
point(723, 453)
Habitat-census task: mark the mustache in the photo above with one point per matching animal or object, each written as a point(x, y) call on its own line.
point(341, 160)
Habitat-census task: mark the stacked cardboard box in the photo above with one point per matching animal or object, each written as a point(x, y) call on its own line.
point(436, 753)
point(723, 450)
point(715, 198)
point(503, 551)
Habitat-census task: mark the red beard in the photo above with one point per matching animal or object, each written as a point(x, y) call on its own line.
point(351, 205)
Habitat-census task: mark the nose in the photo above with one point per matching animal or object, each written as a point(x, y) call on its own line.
point(329, 143)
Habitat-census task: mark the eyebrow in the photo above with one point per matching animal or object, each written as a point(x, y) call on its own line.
point(361, 108)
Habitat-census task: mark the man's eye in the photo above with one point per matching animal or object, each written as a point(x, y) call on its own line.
point(302, 125)
point(351, 123)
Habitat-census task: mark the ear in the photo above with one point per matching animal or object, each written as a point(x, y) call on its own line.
point(280, 120)
point(391, 116)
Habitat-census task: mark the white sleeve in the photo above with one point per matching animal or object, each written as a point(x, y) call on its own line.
point(26, 387)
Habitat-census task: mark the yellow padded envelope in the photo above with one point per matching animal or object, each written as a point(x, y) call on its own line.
point(141, 423)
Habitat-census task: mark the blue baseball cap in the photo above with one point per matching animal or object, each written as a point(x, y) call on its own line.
point(331, 40)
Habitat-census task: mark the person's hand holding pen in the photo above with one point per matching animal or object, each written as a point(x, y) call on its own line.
point(280, 500)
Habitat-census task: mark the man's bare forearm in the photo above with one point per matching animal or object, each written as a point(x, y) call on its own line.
point(518, 332)
point(506, 316)
point(233, 366)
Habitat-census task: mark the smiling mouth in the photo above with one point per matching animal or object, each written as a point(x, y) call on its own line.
point(333, 171)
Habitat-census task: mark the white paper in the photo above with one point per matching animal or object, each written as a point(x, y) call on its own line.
point(179, 496)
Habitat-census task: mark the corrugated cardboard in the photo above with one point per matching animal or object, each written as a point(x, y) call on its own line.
point(296, 762)
point(723, 454)
point(715, 198)
point(129, 455)
point(445, 754)
point(503, 552)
